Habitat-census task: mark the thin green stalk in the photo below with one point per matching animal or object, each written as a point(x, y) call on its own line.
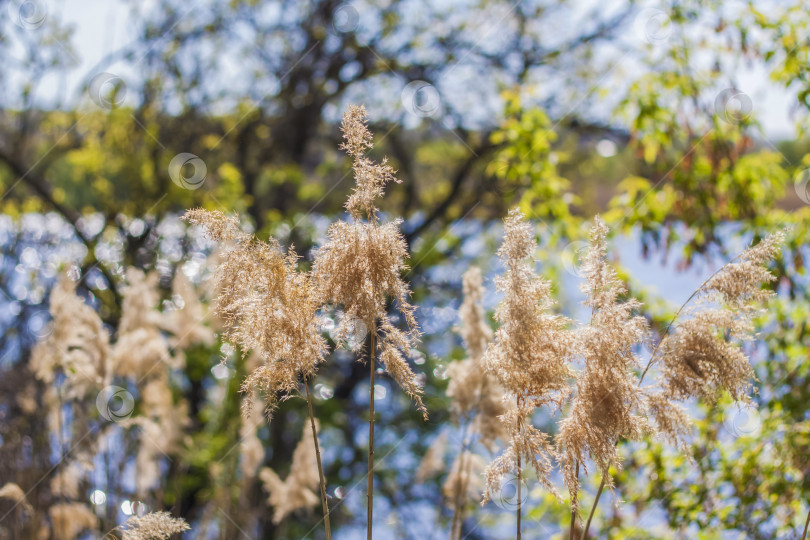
point(324, 502)
point(372, 366)
point(806, 523)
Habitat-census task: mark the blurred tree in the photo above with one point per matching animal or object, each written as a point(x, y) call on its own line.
point(481, 104)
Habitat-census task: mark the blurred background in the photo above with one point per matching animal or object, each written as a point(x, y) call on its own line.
point(683, 123)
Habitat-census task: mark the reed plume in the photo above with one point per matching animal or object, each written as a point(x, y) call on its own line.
point(476, 395)
point(152, 526)
point(607, 398)
point(78, 346)
point(266, 306)
point(141, 349)
point(269, 309)
point(359, 266)
point(185, 319)
point(359, 269)
point(68, 520)
point(702, 354)
point(529, 358)
point(14, 493)
point(477, 400)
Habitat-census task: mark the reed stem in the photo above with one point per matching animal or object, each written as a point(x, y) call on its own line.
point(324, 502)
point(372, 366)
point(458, 504)
point(519, 479)
point(573, 511)
point(518, 496)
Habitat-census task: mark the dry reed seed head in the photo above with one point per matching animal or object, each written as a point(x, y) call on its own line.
point(218, 225)
point(298, 490)
point(532, 346)
point(474, 328)
point(739, 284)
point(529, 355)
point(267, 307)
point(186, 321)
point(152, 526)
point(491, 407)
point(671, 419)
point(464, 381)
point(359, 267)
point(68, 520)
point(171, 418)
point(141, 299)
point(465, 481)
point(65, 481)
point(78, 346)
point(141, 347)
point(607, 397)
point(528, 446)
point(471, 388)
point(370, 177)
point(14, 493)
point(150, 452)
point(356, 136)
point(476, 393)
point(394, 345)
point(704, 354)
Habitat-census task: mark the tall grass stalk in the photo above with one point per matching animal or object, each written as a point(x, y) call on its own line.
point(324, 502)
point(372, 367)
point(574, 507)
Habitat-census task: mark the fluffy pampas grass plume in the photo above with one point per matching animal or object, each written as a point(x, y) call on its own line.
point(529, 358)
point(607, 394)
point(359, 269)
point(270, 309)
point(152, 526)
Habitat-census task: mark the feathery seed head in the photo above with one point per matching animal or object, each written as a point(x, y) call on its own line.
point(703, 355)
point(473, 390)
point(603, 410)
point(267, 306)
point(78, 345)
point(529, 355)
point(152, 526)
point(359, 267)
point(531, 348)
point(370, 177)
point(70, 519)
point(465, 480)
point(474, 328)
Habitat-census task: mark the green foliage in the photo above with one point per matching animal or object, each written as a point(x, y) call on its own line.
point(526, 163)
